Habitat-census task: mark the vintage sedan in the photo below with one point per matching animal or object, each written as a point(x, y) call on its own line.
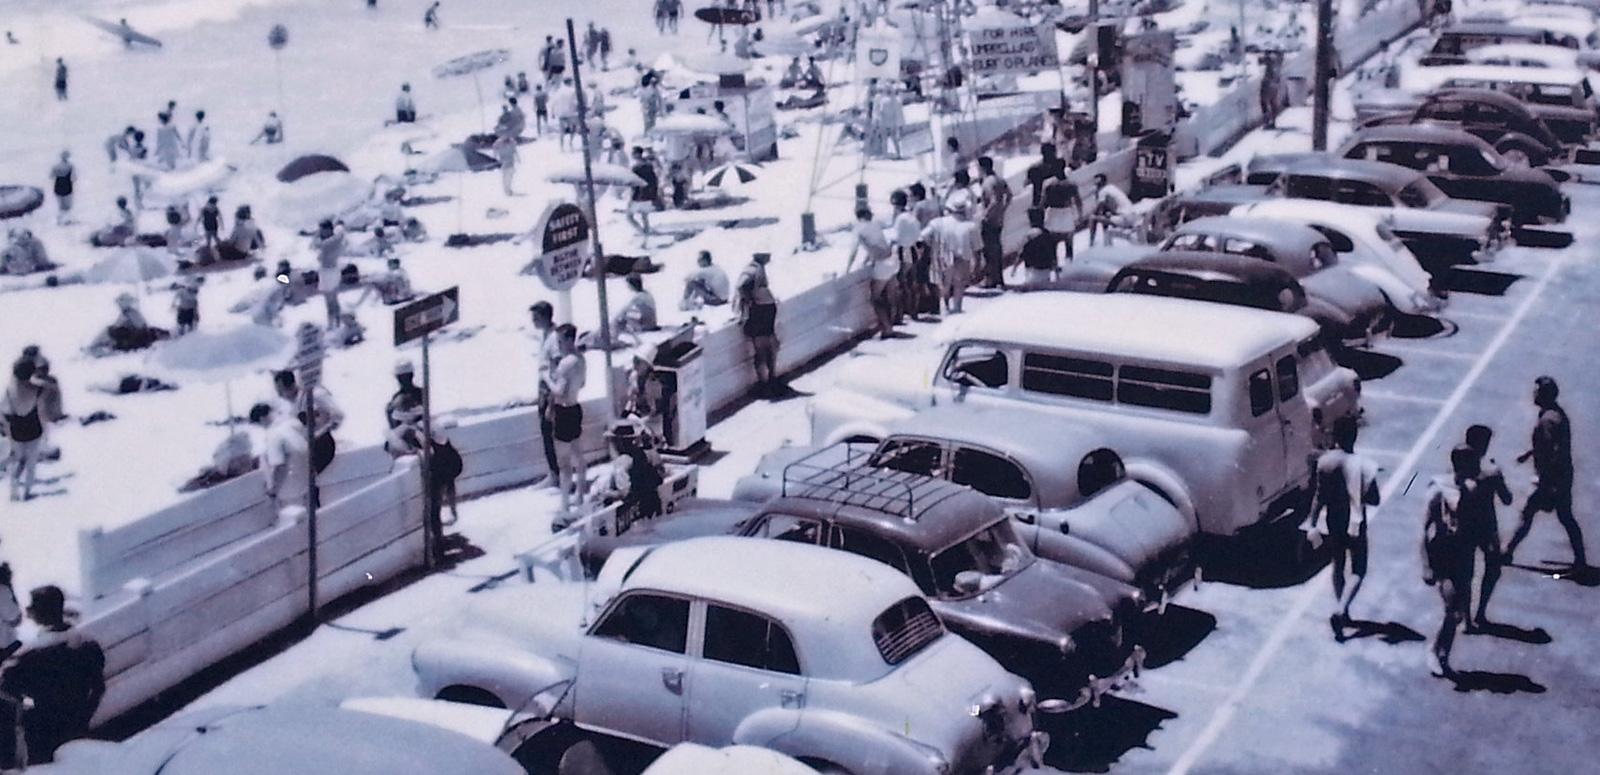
point(1070, 495)
point(1465, 167)
point(1363, 242)
point(1440, 229)
point(1221, 279)
point(1218, 408)
point(1060, 626)
point(1526, 134)
point(283, 739)
point(833, 659)
point(1453, 41)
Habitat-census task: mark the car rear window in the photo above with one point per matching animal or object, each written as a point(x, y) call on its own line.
point(1063, 376)
point(1179, 391)
point(906, 628)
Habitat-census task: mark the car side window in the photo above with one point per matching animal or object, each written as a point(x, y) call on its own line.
point(1189, 242)
point(1240, 247)
point(785, 527)
point(1260, 392)
point(1361, 193)
point(742, 638)
point(872, 547)
point(1339, 240)
point(990, 474)
point(1179, 391)
point(978, 365)
point(1308, 187)
point(912, 456)
point(1444, 110)
point(1065, 376)
point(1288, 378)
point(653, 621)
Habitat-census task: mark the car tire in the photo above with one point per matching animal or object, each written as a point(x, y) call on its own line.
point(469, 695)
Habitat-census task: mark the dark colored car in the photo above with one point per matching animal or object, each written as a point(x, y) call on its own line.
point(1465, 167)
point(1060, 627)
point(1455, 40)
point(1236, 280)
point(1527, 134)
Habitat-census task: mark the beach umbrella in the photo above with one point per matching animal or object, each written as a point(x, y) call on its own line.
point(17, 201)
point(306, 201)
point(711, 63)
point(132, 265)
point(718, 15)
point(310, 164)
point(458, 158)
point(473, 64)
point(690, 124)
point(223, 356)
point(204, 177)
point(734, 173)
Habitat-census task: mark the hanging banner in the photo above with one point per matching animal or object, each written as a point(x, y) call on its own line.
point(1012, 50)
point(878, 52)
point(1148, 78)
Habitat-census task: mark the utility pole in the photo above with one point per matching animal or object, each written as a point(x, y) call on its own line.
point(1094, 77)
point(594, 226)
point(1323, 75)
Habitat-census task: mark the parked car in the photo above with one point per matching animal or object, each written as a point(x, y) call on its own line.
point(1440, 229)
point(1216, 278)
point(1526, 55)
point(1059, 626)
point(1363, 242)
point(1347, 305)
point(283, 740)
point(1464, 167)
point(832, 659)
point(1560, 87)
point(1453, 41)
point(1069, 494)
point(1526, 134)
point(1217, 408)
point(517, 734)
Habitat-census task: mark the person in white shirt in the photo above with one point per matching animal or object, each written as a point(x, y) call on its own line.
point(546, 354)
point(953, 245)
point(566, 416)
point(707, 286)
point(884, 269)
point(285, 456)
point(906, 234)
point(1112, 209)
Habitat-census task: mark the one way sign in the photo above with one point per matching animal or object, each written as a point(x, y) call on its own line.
point(427, 315)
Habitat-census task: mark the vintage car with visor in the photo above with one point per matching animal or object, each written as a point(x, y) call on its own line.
point(1062, 627)
point(1069, 494)
point(1464, 167)
point(830, 658)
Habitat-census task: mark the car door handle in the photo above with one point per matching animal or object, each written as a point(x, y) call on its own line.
point(1027, 517)
point(672, 678)
point(792, 698)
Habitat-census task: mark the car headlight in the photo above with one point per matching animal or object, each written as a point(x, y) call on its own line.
point(1026, 699)
point(1066, 645)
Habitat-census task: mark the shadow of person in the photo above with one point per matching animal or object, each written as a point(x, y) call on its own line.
point(1388, 632)
point(1582, 575)
point(1495, 683)
point(1536, 636)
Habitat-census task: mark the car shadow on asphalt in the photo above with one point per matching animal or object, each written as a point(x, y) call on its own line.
point(1168, 637)
point(1542, 237)
point(1484, 282)
point(1495, 683)
point(1421, 327)
point(1369, 365)
point(1093, 739)
point(1269, 557)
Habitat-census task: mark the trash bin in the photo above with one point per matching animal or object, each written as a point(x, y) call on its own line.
point(681, 371)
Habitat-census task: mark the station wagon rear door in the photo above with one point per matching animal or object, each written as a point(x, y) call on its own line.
point(1265, 469)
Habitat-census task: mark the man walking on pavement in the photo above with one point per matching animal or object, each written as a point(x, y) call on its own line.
point(1481, 523)
point(546, 354)
point(996, 197)
point(1551, 452)
point(1447, 554)
point(1344, 485)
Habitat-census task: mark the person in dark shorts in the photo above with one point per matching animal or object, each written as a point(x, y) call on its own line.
point(546, 354)
point(62, 177)
point(758, 319)
point(1345, 485)
point(1551, 453)
point(444, 467)
point(566, 416)
point(1447, 551)
point(61, 80)
point(325, 416)
point(1481, 523)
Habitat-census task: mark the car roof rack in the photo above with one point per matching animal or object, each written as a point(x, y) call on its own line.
point(853, 481)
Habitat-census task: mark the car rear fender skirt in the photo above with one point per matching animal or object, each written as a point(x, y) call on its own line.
point(1165, 483)
point(851, 742)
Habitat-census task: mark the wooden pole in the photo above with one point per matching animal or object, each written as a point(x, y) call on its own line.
point(594, 227)
point(311, 507)
point(1323, 73)
point(432, 531)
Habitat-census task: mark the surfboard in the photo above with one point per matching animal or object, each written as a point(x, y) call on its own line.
point(124, 33)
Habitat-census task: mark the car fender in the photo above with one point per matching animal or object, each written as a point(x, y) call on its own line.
point(1440, 222)
point(1166, 483)
point(1072, 550)
point(1535, 149)
point(857, 744)
point(845, 414)
point(1396, 292)
point(508, 672)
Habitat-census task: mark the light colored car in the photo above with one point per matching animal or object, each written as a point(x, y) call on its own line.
point(284, 740)
point(508, 731)
point(1535, 55)
point(1218, 408)
point(830, 658)
point(1363, 242)
point(1556, 86)
point(1068, 492)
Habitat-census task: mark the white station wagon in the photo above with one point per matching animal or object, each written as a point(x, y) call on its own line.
point(1217, 408)
point(831, 658)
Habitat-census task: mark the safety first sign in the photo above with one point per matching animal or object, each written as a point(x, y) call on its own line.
point(1012, 50)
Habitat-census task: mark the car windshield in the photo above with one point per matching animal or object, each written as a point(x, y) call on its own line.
point(993, 553)
point(1422, 193)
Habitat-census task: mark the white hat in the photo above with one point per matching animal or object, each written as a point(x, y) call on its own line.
point(403, 366)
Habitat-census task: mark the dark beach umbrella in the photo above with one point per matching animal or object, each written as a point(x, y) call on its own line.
point(310, 164)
